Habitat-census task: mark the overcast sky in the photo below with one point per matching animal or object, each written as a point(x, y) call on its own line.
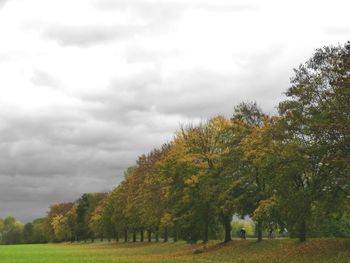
point(86, 86)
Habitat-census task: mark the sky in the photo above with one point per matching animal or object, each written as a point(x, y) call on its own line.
point(86, 86)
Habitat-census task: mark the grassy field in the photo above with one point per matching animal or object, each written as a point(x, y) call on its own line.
point(336, 251)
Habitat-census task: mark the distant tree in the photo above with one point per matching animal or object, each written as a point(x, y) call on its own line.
point(85, 208)
point(98, 225)
point(109, 226)
point(11, 232)
point(2, 225)
point(38, 233)
point(27, 234)
point(61, 228)
point(56, 214)
point(152, 196)
point(117, 201)
point(71, 222)
point(238, 224)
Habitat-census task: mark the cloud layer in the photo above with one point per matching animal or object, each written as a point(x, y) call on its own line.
point(87, 86)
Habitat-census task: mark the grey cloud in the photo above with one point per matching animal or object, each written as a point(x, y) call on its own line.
point(42, 78)
point(29, 197)
point(57, 156)
point(337, 30)
point(156, 16)
point(194, 94)
point(3, 57)
point(137, 54)
point(229, 7)
point(145, 8)
point(3, 2)
point(88, 35)
point(171, 8)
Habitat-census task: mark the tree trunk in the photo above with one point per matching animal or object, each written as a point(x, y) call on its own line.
point(166, 234)
point(228, 228)
point(259, 230)
point(302, 231)
point(157, 234)
point(101, 238)
point(141, 236)
point(175, 235)
point(134, 236)
point(206, 232)
point(149, 235)
point(116, 236)
point(125, 235)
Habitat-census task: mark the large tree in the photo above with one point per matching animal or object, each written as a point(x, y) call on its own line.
point(251, 168)
point(316, 120)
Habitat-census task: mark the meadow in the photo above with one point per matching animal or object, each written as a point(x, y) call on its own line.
point(248, 251)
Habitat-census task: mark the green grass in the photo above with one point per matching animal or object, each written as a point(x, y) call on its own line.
point(248, 251)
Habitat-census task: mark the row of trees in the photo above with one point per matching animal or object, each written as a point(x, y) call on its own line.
point(64, 222)
point(287, 172)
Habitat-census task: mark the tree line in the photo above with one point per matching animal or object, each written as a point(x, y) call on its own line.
point(288, 172)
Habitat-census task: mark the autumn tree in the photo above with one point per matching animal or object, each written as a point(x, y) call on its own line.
point(56, 213)
point(316, 120)
point(35, 232)
point(86, 206)
point(99, 221)
point(152, 194)
point(11, 231)
point(106, 220)
point(253, 168)
point(117, 201)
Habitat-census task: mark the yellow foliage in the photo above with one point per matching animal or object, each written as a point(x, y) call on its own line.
point(192, 181)
point(265, 209)
point(166, 220)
